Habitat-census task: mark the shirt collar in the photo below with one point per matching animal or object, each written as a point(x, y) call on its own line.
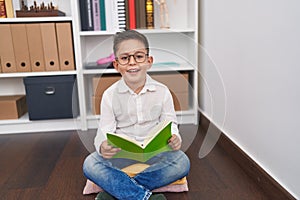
point(149, 86)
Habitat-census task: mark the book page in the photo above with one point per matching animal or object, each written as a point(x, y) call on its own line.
point(155, 131)
point(125, 137)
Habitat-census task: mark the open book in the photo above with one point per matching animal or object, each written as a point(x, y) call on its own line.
point(142, 151)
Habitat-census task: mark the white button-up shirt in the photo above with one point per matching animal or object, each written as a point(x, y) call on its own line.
point(123, 111)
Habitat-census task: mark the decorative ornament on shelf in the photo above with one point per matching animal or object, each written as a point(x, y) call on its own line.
point(41, 10)
point(164, 13)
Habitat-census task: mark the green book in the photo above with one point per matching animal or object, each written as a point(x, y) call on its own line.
point(142, 151)
point(102, 15)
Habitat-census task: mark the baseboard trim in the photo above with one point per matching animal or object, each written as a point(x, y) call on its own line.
point(270, 186)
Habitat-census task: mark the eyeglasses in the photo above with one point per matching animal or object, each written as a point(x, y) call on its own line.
point(139, 57)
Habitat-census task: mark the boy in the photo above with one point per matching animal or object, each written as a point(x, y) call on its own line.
point(132, 106)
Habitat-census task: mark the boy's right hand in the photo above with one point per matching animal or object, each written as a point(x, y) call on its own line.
point(107, 151)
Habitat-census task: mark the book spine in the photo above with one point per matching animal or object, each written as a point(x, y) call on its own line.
point(90, 15)
point(86, 15)
point(102, 15)
point(109, 14)
point(16, 6)
point(137, 13)
point(2, 9)
point(9, 9)
point(149, 14)
point(132, 19)
point(115, 17)
point(96, 15)
point(127, 14)
point(121, 15)
point(142, 13)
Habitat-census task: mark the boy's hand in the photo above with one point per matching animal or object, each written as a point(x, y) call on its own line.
point(175, 142)
point(107, 150)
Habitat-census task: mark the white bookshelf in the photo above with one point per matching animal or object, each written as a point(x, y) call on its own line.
point(177, 44)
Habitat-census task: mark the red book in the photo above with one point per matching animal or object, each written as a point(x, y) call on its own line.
point(132, 19)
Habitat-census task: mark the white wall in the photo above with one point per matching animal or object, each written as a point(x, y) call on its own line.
point(255, 47)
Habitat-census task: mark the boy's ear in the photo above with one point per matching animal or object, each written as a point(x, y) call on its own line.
point(150, 61)
point(116, 65)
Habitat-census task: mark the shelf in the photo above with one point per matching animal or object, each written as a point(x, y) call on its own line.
point(183, 117)
point(24, 125)
point(95, 33)
point(162, 68)
point(168, 31)
point(23, 119)
point(25, 74)
point(144, 31)
point(35, 19)
point(178, 113)
point(154, 68)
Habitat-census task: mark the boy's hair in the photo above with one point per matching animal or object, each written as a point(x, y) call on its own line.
point(129, 35)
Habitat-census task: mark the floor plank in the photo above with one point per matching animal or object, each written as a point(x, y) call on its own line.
point(49, 166)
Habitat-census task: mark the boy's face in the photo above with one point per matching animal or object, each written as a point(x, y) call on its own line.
point(132, 62)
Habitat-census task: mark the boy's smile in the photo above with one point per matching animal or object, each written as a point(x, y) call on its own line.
point(133, 71)
point(132, 61)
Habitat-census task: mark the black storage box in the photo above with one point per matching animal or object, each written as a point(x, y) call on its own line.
point(51, 97)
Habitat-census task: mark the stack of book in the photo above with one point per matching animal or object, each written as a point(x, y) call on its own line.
point(115, 15)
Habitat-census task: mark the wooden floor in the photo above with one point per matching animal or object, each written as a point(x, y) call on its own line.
point(49, 166)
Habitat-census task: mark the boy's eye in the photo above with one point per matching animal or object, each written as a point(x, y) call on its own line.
point(139, 56)
point(124, 58)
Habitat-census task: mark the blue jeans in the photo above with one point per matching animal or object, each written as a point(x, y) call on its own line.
point(164, 169)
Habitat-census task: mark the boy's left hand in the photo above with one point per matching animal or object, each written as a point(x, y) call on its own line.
point(175, 142)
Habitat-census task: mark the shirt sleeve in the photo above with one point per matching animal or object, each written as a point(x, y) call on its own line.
point(168, 113)
point(107, 120)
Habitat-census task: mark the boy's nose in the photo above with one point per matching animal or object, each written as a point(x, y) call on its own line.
point(131, 59)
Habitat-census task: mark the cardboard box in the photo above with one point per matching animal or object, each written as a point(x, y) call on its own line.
point(101, 83)
point(178, 84)
point(51, 97)
point(96, 105)
point(12, 107)
point(181, 101)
